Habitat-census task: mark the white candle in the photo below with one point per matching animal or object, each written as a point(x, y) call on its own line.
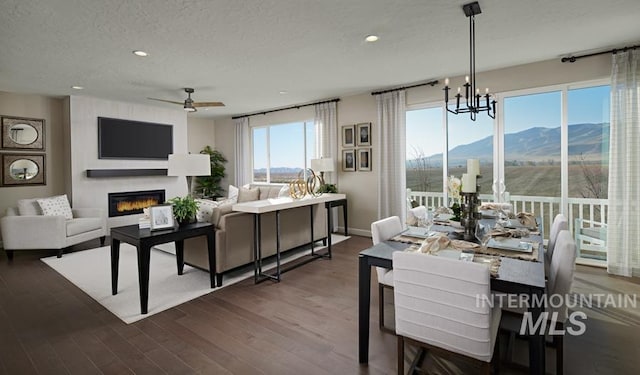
point(468, 183)
point(473, 167)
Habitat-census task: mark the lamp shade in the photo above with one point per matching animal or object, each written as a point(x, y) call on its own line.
point(322, 165)
point(189, 165)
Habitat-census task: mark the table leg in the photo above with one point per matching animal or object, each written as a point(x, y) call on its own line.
point(344, 215)
point(278, 245)
point(211, 248)
point(144, 256)
point(257, 267)
point(364, 301)
point(537, 361)
point(329, 227)
point(180, 255)
point(311, 221)
point(115, 259)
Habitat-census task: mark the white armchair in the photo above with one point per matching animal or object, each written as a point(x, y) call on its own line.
point(30, 232)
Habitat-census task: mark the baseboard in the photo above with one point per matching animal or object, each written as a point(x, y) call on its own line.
point(355, 231)
point(591, 262)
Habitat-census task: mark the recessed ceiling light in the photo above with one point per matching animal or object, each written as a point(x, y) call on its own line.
point(140, 53)
point(283, 92)
point(371, 38)
point(77, 87)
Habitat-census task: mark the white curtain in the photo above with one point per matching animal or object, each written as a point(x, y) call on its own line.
point(623, 231)
point(243, 171)
point(326, 122)
point(390, 155)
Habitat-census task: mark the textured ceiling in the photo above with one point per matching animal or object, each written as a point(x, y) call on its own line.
point(244, 53)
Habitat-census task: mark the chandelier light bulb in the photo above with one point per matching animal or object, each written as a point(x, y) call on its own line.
point(446, 81)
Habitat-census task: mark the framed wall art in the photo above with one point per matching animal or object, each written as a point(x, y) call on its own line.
point(348, 136)
point(22, 133)
point(364, 159)
point(363, 134)
point(161, 216)
point(23, 169)
point(348, 160)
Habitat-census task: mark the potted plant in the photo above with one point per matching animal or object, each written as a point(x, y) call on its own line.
point(184, 209)
point(209, 186)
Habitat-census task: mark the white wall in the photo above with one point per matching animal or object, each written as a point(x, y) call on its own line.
point(360, 187)
point(83, 142)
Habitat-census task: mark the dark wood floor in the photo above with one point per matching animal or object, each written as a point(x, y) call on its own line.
point(307, 324)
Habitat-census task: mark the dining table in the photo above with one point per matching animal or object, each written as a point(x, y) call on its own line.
point(514, 277)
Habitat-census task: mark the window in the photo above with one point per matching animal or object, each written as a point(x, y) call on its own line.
point(281, 151)
point(588, 119)
point(471, 140)
point(424, 149)
point(532, 144)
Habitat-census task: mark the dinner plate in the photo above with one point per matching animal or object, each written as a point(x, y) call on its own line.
point(512, 244)
point(515, 224)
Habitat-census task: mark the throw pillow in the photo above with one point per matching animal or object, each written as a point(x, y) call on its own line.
point(56, 206)
point(248, 195)
point(29, 207)
point(220, 211)
point(205, 210)
point(233, 193)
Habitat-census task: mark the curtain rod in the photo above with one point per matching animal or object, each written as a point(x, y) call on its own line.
point(431, 83)
point(572, 59)
point(286, 108)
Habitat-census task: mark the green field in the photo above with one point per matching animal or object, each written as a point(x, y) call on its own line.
point(534, 180)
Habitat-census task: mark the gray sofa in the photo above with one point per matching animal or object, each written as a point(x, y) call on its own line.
point(234, 234)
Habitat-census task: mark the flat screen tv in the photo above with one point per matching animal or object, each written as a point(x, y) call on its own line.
point(126, 139)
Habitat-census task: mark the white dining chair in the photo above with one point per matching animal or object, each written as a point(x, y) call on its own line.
point(560, 223)
point(561, 271)
point(383, 230)
point(439, 305)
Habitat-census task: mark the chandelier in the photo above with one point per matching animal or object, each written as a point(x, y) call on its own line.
point(475, 102)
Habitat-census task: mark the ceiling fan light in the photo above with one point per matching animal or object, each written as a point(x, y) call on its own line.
point(189, 109)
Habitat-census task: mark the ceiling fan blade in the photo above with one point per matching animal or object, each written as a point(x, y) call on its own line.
point(167, 101)
point(208, 104)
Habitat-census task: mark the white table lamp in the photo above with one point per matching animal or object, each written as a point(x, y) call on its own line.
point(189, 165)
point(322, 165)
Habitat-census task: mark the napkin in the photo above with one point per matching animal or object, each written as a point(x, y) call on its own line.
point(435, 243)
point(527, 219)
point(499, 231)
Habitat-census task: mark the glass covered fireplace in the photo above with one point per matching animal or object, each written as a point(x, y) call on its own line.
point(132, 202)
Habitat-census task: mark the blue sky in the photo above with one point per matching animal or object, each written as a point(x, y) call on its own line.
point(424, 127)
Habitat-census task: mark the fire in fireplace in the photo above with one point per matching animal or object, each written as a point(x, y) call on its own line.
point(132, 202)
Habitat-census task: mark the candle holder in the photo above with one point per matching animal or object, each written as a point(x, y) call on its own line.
point(469, 214)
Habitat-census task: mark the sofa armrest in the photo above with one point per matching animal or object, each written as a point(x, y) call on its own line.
point(33, 232)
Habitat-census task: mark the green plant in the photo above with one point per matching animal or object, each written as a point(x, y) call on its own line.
point(209, 186)
point(327, 188)
point(184, 209)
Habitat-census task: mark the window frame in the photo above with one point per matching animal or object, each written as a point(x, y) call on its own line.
point(267, 127)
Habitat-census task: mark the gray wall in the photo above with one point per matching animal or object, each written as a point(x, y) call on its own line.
point(49, 109)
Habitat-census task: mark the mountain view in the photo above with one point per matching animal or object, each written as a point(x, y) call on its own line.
point(533, 144)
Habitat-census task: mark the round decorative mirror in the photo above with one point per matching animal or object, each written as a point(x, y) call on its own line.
point(23, 169)
point(23, 134)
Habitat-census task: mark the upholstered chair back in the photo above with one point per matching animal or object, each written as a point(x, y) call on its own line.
point(444, 302)
point(384, 229)
point(561, 271)
point(560, 222)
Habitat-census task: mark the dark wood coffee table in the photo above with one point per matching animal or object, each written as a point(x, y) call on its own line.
point(144, 240)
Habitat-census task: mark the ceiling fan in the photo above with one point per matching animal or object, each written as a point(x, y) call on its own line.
point(189, 104)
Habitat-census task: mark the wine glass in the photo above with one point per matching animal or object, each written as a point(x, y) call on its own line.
point(483, 234)
point(426, 221)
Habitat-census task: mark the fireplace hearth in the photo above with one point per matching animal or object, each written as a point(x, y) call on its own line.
point(132, 202)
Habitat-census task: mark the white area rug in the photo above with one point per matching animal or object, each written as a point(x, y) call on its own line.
point(90, 270)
